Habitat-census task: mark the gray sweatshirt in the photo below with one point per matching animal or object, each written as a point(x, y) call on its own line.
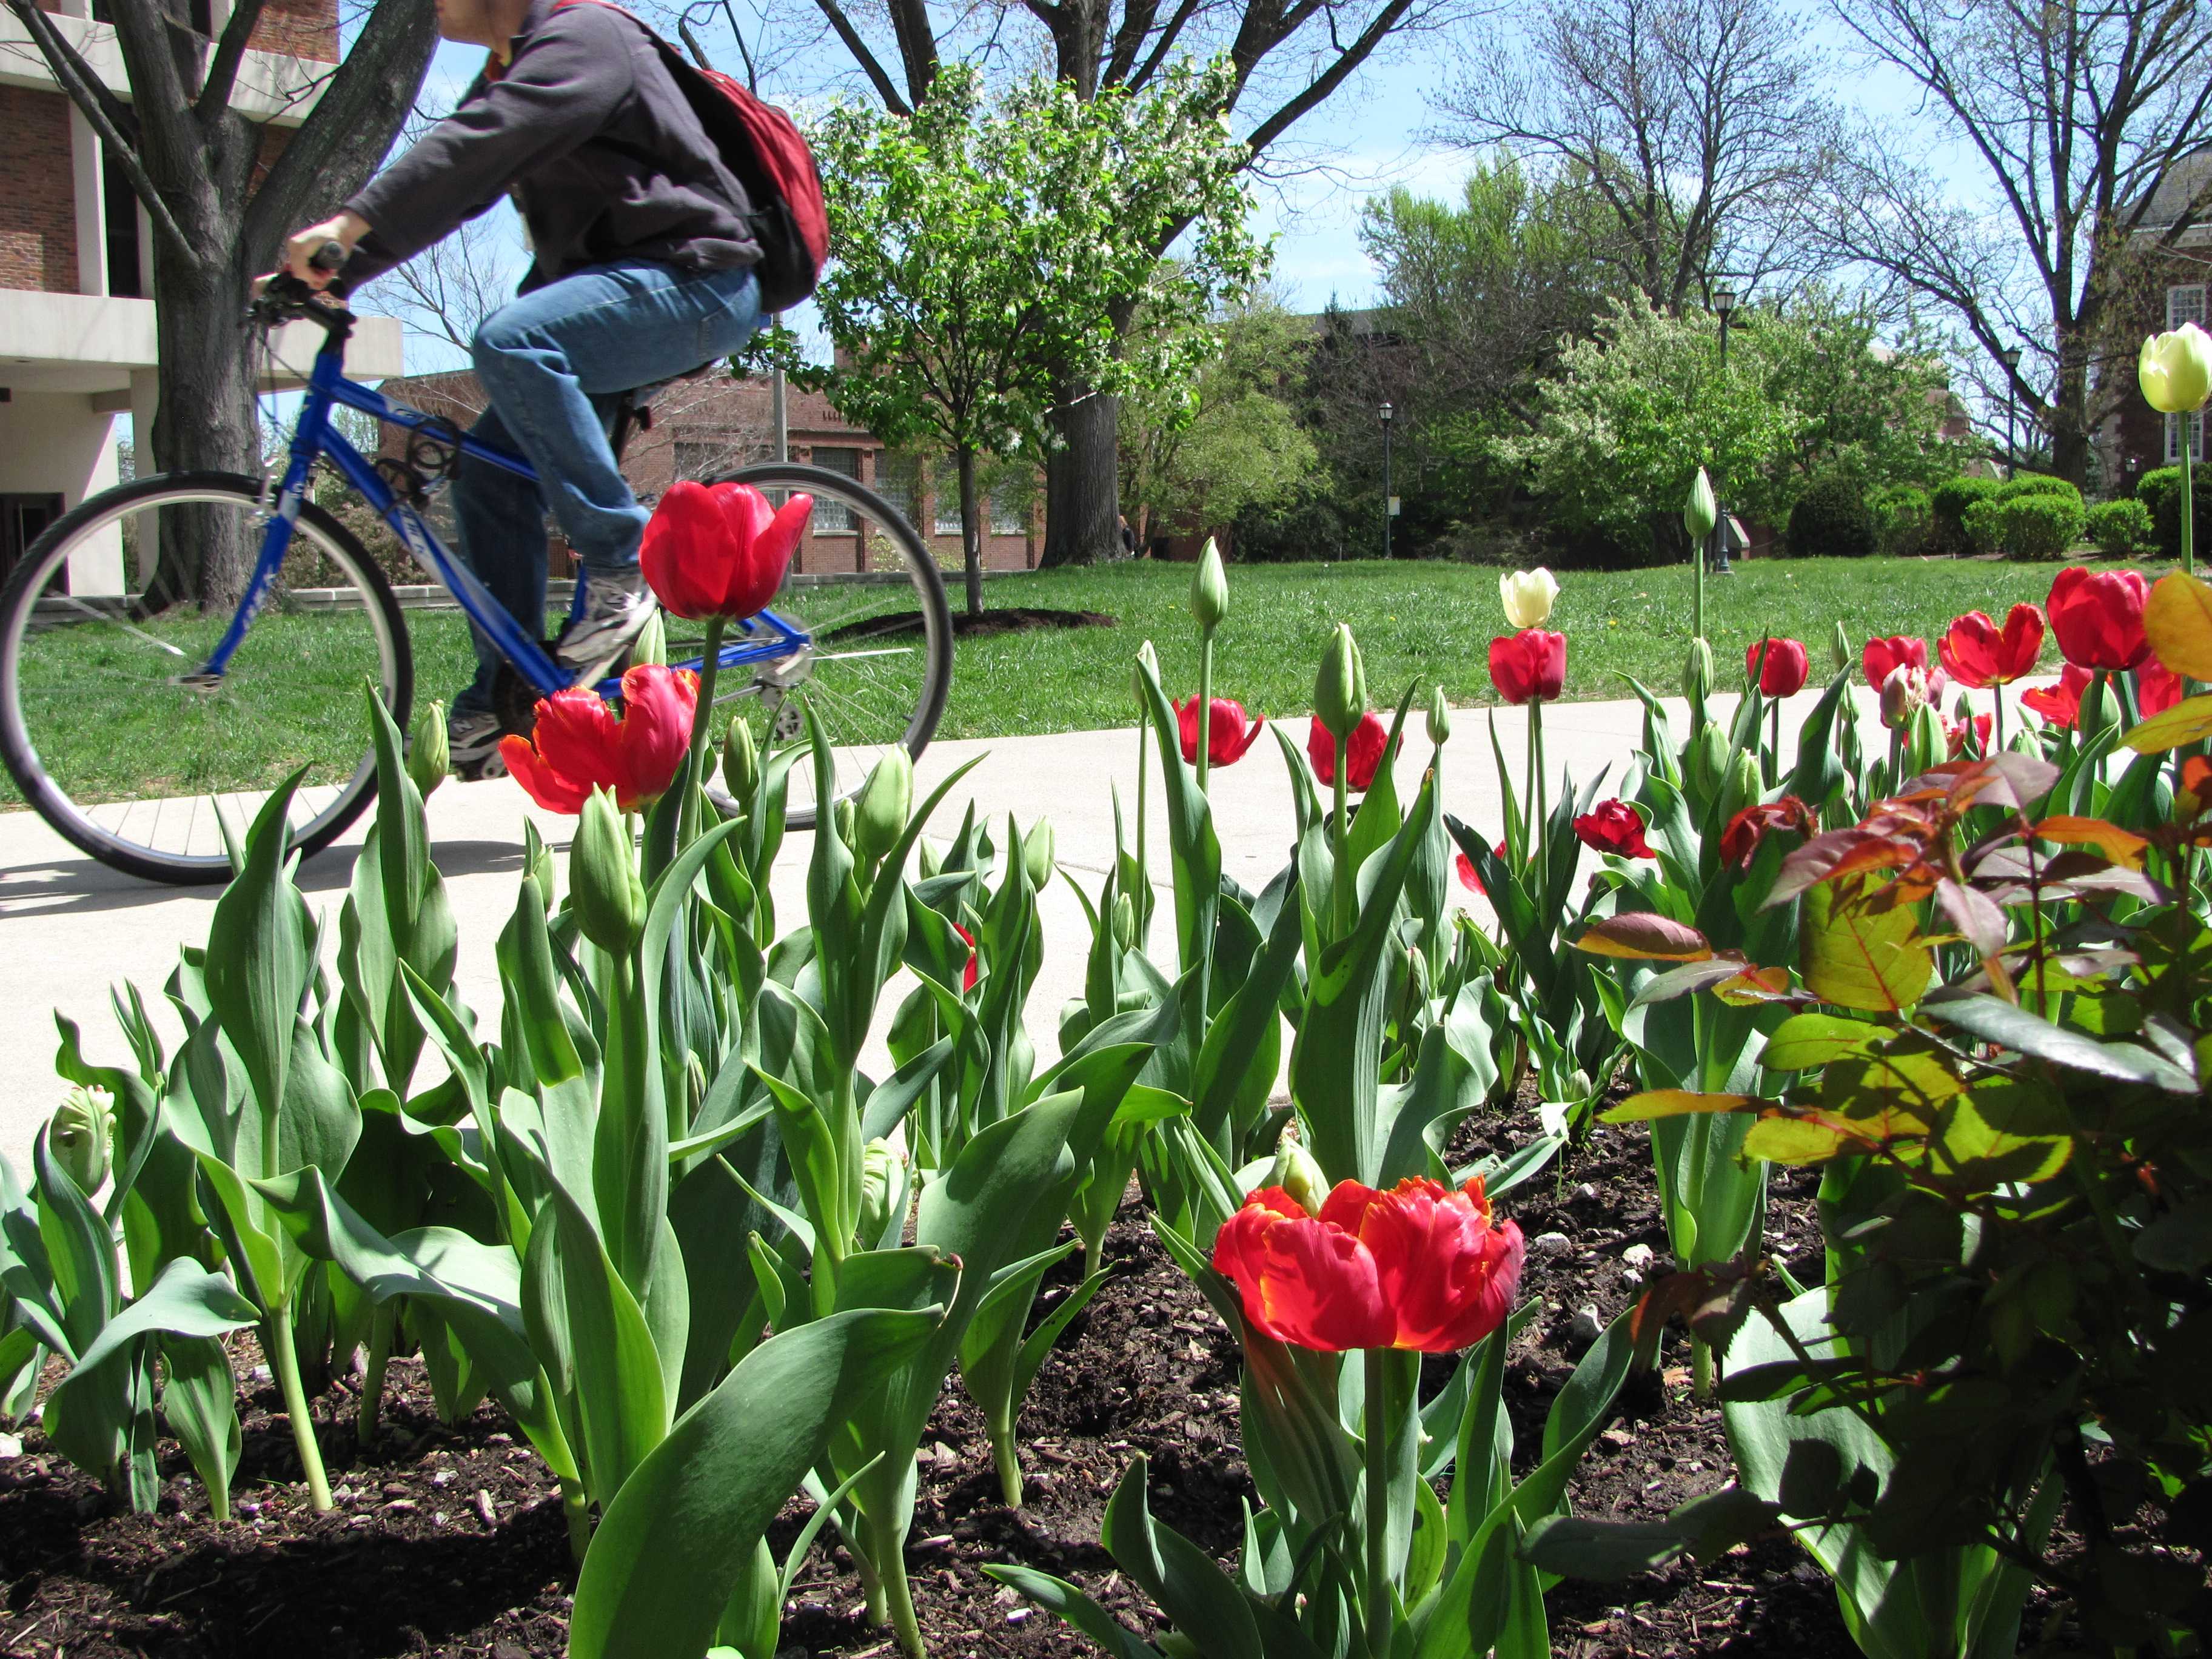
point(598, 145)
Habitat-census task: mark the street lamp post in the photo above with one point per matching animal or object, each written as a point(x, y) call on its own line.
point(1385, 413)
point(1724, 305)
point(2010, 358)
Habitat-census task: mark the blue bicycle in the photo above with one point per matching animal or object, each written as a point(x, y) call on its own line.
point(137, 732)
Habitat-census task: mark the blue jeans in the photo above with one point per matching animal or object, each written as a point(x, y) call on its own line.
point(552, 365)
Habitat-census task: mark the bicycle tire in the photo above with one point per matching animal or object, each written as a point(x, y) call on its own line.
point(26, 586)
point(920, 568)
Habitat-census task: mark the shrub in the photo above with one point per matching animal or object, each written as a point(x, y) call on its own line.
point(2035, 484)
point(1948, 505)
point(1831, 521)
point(2122, 530)
point(1902, 519)
point(2161, 492)
point(2037, 526)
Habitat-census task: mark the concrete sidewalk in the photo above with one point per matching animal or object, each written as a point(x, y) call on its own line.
point(76, 930)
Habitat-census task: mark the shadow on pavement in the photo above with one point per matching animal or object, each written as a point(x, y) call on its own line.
point(78, 885)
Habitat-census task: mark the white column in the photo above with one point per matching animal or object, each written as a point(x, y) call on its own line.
point(91, 205)
point(145, 400)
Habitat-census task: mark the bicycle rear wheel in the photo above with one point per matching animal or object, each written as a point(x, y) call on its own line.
point(112, 734)
point(877, 661)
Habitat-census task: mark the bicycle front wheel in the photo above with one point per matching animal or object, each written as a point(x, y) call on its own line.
point(877, 663)
point(115, 732)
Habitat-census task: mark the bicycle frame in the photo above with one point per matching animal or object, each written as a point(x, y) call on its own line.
point(766, 638)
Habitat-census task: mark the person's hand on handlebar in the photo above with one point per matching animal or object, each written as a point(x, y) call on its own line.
point(307, 256)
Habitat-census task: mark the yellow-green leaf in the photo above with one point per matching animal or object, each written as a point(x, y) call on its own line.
point(1781, 1139)
point(2123, 847)
point(1673, 1102)
point(2189, 721)
point(1858, 958)
point(2178, 621)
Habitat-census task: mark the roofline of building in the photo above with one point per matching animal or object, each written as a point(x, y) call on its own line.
point(271, 89)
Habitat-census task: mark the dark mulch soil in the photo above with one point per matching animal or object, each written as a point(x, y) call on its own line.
point(448, 1540)
point(1014, 619)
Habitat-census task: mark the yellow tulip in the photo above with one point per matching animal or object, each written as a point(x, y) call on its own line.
point(2176, 369)
point(1527, 596)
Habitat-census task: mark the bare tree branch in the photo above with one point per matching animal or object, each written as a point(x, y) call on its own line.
point(229, 53)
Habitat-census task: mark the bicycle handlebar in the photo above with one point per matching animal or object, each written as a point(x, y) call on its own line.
point(284, 297)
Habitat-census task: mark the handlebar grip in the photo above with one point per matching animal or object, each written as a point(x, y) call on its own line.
point(331, 256)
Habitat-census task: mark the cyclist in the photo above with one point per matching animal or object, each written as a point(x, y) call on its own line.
point(642, 251)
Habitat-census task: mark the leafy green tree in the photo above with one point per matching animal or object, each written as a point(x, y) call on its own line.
point(1228, 441)
point(1638, 407)
point(986, 250)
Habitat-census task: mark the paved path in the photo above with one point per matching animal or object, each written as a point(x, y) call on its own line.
point(71, 929)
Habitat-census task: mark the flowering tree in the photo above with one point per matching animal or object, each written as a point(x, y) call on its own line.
point(983, 250)
point(1635, 409)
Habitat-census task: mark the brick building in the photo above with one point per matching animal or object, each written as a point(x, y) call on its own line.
point(2135, 438)
point(76, 317)
point(714, 424)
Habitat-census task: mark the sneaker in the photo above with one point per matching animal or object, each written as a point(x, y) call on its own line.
point(616, 610)
point(472, 742)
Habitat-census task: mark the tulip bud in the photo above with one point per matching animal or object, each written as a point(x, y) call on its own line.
point(1340, 688)
point(2100, 709)
point(886, 800)
point(1743, 787)
point(1209, 590)
point(841, 817)
point(1125, 921)
point(1036, 854)
point(1709, 762)
point(1701, 512)
point(2024, 741)
point(1903, 694)
point(537, 864)
point(1697, 673)
point(931, 857)
point(1839, 648)
point(1527, 596)
point(651, 645)
point(80, 1134)
point(428, 755)
point(1926, 744)
point(1297, 1173)
point(605, 893)
point(1147, 670)
point(1439, 717)
point(740, 762)
point(878, 1164)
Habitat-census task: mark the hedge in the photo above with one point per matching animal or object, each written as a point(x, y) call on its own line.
point(2121, 530)
point(1831, 521)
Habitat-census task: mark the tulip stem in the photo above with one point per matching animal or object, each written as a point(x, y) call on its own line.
point(1140, 897)
point(1205, 704)
point(2188, 505)
point(1996, 692)
point(702, 716)
point(283, 1357)
point(1346, 897)
point(1774, 737)
point(1375, 1594)
point(1536, 749)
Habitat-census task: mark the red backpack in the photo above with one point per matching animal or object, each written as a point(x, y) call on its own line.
point(762, 145)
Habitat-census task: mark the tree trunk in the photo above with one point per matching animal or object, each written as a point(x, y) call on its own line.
point(2067, 420)
point(1082, 520)
point(971, 531)
point(206, 420)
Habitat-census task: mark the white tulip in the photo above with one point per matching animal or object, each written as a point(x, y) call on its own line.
point(1527, 596)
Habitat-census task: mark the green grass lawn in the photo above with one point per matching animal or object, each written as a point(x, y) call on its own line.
point(1430, 622)
point(1435, 622)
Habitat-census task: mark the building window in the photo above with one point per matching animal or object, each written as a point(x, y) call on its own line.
point(119, 208)
point(2173, 438)
point(835, 518)
point(2185, 303)
point(698, 454)
point(1009, 517)
point(898, 481)
point(945, 491)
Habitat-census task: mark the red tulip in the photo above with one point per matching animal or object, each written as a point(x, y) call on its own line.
point(1614, 826)
point(1975, 654)
point(1782, 674)
point(1529, 666)
point(1363, 752)
point(580, 744)
point(1740, 841)
point(1419, 1267)
point(1882, 658)
point(969, 977)
point(2098, 619)
point(1229, 731)
point(719, 549)
point(1955, 733)
point(1468, 878)
point(2158, 688)
point(2060, 704)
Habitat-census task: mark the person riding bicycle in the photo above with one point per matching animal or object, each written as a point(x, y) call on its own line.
point(643, 251)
